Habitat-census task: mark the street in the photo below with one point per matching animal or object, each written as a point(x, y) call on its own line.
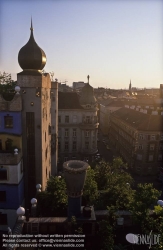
point(104, 149)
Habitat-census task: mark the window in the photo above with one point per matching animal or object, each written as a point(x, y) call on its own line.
point(139, 157)
point(59, 145)
point(141, 136)
point(161, 137)
point(66, 132)
point(86, 145)
point(0, 144)
point(161, 146)
point(59, 119)
point(8, 144)
point(74, 119)
point(8, 121)
point(150, 158)
point(160, 157)
point(88, 119)
point(74, 145)
point(95, 119)
point(2, 196)
point(3, 219)
point(93, 144)
point(153, 137)
point(66, 119)
point(87, 133)
point(46, 153)
point(65, 158)
point(74, 132)
point(49, 129)
point(73, 157)
point(151, 146)
point(94, 133)
point(66, 145)
point(140, 147)
point(3, 174)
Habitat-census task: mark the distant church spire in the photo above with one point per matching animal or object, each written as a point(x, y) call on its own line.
point(130, 86)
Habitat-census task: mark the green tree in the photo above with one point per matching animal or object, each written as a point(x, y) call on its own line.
point(53, 201)
point(106, 235)
point(153, 224)
point(7, 86)
point(143, 198)
point(114, 184)
point(90, 192)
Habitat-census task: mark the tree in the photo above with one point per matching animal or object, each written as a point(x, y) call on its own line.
point(106, 235)
point(90, 192)
point(53, 201)
point(153, 224)
point(7, 86)
point(143, 198)
point(114, 184)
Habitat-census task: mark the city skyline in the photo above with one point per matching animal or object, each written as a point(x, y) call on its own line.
point(112, 41)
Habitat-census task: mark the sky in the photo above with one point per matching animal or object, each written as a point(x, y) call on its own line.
point(114, 41)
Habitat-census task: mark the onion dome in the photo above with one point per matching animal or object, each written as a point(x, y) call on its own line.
point(31, 56)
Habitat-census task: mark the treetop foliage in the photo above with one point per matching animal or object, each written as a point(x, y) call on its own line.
point(7, 86)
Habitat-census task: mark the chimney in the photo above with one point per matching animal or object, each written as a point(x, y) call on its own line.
point(75, 174)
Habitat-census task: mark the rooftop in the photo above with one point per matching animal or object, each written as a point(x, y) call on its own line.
point(68, 100)
point(140, 120)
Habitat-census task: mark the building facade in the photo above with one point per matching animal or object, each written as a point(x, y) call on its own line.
point(78, 125)
point(11, 161)
point(137, 135)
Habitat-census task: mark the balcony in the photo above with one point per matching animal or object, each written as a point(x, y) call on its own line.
point(89, 151)
point(9, 158)
point(90, 124)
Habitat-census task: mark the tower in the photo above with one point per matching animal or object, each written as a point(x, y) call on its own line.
point(130, 87)
point(36, 116)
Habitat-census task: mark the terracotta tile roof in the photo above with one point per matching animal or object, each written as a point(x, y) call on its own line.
point(68, 100)
point(140, 120)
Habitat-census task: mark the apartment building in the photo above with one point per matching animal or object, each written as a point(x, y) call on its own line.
point(137, 135)
point(11, 160)
point(78, 125)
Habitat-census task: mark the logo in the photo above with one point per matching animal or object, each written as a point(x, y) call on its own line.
point(151, 239)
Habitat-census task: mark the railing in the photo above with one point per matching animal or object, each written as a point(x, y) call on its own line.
point(10, 158)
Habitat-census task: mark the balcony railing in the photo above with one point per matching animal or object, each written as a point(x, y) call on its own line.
point(10, 158)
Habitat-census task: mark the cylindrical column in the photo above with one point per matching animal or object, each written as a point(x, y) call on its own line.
point(75, 174)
